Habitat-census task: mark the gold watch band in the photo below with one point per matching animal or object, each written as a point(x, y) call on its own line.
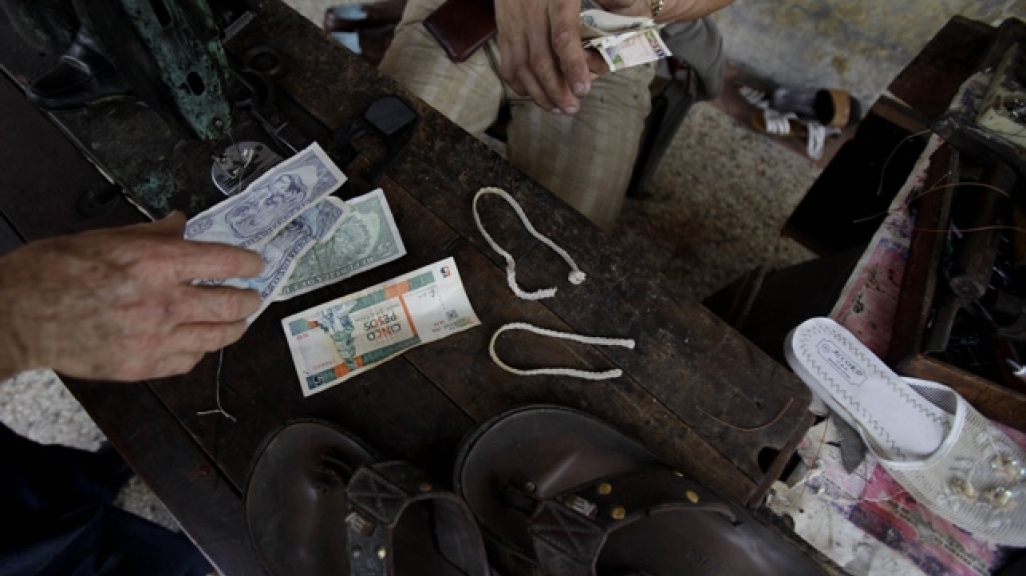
point(657, 7)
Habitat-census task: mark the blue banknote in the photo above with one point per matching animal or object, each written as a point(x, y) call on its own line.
point(270, 203)
point(282, 252)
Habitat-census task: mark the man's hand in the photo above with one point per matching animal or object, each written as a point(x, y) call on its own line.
point(542, 56)
point(118, 303)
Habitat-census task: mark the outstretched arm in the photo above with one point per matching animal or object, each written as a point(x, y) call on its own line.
point(118, 303)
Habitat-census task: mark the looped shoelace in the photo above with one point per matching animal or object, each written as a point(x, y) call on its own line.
point(576, 275)
point(594, 340)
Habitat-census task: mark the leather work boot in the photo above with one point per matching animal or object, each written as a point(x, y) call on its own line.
point(82, 76)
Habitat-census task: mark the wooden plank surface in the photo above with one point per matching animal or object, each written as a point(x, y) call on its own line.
point(44, 175)
point(187, 482)
point(695, 392)
point(685, 352)
point(933, 77)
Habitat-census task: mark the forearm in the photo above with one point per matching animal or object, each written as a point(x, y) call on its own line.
point(685, 10)
point(13, 356)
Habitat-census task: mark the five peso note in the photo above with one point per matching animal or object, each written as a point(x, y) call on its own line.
point(623, 41)
point(366, 239)
point(631, 48)
point(600, 23)
point(344, 337)
point(272, 201)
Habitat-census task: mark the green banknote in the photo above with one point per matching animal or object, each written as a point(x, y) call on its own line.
point(367, 238)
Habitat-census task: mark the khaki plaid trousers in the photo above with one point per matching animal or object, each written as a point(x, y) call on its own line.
point(585, 159)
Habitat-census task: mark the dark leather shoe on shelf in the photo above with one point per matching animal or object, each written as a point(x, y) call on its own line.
point(82, 76)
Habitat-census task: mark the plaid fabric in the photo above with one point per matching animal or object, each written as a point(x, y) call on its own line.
point(585, 159)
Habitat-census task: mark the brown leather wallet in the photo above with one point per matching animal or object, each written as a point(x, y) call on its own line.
point(462, 26)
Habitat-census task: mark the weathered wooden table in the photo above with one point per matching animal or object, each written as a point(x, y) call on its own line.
point(696, 392)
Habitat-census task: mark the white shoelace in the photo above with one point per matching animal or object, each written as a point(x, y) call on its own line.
point(588, 375)
point(576, 275)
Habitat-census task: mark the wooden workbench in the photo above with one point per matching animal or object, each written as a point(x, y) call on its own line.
point(695, 392)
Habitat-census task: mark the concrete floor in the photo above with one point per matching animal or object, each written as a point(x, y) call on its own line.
point(721, 196)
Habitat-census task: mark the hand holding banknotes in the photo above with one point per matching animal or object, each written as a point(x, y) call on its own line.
point(119, 303)
point(541, 50)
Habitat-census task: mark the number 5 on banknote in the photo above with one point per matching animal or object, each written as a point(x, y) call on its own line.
point(344, 337)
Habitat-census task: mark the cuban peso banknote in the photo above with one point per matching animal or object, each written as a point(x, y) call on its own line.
point(283, 252)
point(344, 337)
point(366, 239)
point(631, 48)
point(272, 201)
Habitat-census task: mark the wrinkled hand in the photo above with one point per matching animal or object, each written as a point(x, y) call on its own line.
point(118, 304)
point(542, 56)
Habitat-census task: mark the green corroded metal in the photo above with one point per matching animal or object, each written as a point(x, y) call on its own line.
point(169, 52)
point(190, 59)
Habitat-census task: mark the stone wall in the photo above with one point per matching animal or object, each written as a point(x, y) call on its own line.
point(856, 45)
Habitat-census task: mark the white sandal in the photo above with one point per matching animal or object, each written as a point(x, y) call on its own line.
point(776, 123)
point(935, 445)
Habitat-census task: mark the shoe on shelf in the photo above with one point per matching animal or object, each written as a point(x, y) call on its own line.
point(774, 123)
point(81, 76)
point(835, 108)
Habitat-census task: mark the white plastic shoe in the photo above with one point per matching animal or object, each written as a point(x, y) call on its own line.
point(935, 445)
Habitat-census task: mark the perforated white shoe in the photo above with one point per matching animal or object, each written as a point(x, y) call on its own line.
point(935, 445)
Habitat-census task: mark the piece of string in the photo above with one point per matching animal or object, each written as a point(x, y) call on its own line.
point(576, 275)
point(818, 468)
point(912, 197)
point(918, 195)
point(883, 171)
point(817, 471)
point(945, 230)
point(573, 372)
point(217, 393)
point(773, 421)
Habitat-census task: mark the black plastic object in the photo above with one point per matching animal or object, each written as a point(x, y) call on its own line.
point(390, 119)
